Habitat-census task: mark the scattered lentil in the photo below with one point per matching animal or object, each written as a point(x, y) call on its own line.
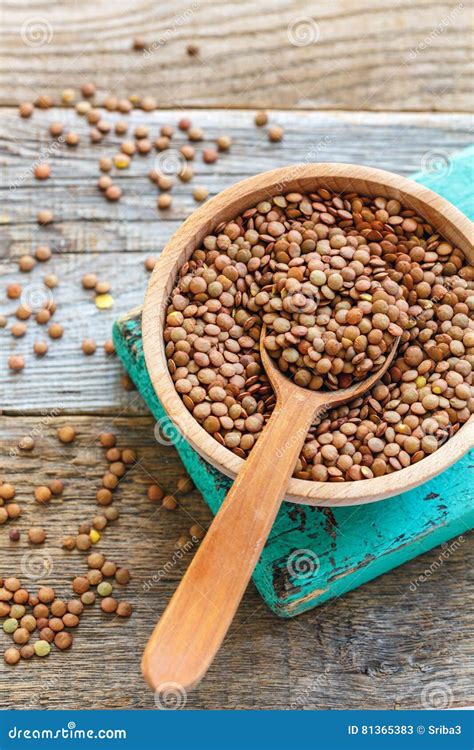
point(66, 433)
point(36, 535)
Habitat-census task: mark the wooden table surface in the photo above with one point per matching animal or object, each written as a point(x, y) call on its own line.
point(378, 83)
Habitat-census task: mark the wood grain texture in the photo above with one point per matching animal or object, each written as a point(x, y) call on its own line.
point(347, 54)
point(404, 143)
point(112, 240)
point(377, 647)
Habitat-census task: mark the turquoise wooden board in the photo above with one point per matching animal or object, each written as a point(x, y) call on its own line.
point(315, 554)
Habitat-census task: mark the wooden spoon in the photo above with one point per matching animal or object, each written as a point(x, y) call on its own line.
point(193, 626)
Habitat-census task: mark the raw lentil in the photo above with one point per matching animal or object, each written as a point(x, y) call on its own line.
point(122, 576)
point(26, 109)
point(105, 588)
point(27, 651)
point(155, 493)
point(108, 604)
point(11, 656)
point(63, 640)
point(169, 502)
point(66, 433)
point(42, 648)
point(335, 278)
point(42, 494)
point(42, 171)
point(36, 535)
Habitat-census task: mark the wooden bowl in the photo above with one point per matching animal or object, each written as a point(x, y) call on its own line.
point(451, 223)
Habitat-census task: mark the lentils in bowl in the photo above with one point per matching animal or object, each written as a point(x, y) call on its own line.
point(335, 278)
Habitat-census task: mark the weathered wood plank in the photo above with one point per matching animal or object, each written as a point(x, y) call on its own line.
point(403, 143)
point(67, 379)
point(350, 55)
point(113, 239)
point(377, 647)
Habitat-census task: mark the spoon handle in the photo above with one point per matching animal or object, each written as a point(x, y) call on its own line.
point(193, 626)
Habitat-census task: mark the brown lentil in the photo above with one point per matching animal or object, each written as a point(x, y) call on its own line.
point(122, 576)
point(335, 278)
point(108, 604)
point(124, 609)
point(36, 535)
point(169, 502)
point(40, 348)
point(89, 346)
point(26, 263)
point(26, 109)
point(11, 656)
point(42, 171)
point(63, 640)
point(42, 494)
point(16, 362)
point(66, 433)
point(45, 217)
point(275, 134)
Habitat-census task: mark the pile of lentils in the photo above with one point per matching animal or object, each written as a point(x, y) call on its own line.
point(36, 621)
point(336, 279)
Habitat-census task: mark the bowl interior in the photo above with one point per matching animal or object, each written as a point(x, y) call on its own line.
point(454, 226)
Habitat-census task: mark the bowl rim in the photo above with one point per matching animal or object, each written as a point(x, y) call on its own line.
point(224, 206)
